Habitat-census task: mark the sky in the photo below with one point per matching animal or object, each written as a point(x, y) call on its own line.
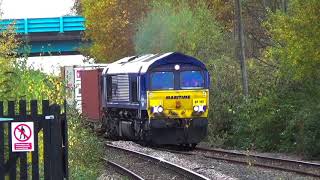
point(35, 8)
point(17, 9)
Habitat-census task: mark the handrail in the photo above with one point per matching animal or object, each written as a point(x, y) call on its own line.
point(41, 25)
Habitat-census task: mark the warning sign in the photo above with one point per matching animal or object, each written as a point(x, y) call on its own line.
point(22, 136)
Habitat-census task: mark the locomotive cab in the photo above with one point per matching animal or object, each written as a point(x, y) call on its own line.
point(162, 98)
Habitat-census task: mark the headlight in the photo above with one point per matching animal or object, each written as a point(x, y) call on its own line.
point(200, 109)
point(157, 109)
point(160, 109)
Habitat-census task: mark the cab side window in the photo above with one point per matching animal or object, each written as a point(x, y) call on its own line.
point(134, 89)
point(109, 88)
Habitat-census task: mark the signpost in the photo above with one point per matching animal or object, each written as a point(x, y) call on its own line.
point(22, 134)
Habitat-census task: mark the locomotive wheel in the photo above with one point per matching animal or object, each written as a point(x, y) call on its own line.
point(193, 146)
point(188, 147)
point(144, 138)
point(111, 128)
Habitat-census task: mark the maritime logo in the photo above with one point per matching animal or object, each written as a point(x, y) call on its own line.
point(177, 97)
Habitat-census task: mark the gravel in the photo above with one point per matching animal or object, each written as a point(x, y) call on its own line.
point(213, 169)
point(110, 174)
point(145, 169)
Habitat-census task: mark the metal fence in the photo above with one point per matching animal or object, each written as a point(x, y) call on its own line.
point(26, 165)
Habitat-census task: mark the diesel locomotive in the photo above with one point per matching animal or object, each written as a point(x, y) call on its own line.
point(156, 98)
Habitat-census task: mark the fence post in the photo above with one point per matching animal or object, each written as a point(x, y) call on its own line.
point(2, 160)
point(46, 141)
point(64, 127)
point(56, 142)
point(12, 163)
point(35, 153)
point(23, 155)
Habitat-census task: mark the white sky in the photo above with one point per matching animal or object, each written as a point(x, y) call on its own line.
point(35, 8)
point(19, 9)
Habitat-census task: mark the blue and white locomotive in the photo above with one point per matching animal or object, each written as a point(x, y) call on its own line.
point(156, 98)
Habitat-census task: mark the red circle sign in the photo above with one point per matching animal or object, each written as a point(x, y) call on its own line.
point(24, 134)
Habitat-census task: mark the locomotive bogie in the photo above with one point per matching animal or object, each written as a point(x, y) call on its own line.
point(164, 131)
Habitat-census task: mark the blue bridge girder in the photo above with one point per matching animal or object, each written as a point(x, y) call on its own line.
point(48, 36)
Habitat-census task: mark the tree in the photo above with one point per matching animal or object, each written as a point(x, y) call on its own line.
point(110, 26)
point(296, 34)
point(36, 85)
point(241, 54)
point(223, 11)
point(8, 44)
point(172, 26)
point(287, 117)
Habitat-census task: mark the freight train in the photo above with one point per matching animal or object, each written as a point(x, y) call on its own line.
point(154, 98)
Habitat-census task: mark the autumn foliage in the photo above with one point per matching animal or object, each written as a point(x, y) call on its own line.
point(111, 25)
point(282, 50)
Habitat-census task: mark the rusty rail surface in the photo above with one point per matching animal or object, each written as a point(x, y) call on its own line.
point(186, 173)
point(122, 170)
point(300, 167)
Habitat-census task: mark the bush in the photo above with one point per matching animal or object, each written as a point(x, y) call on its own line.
point(85, 149)
point(282, 112)
point(285, 122)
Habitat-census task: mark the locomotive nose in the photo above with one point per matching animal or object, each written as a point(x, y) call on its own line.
point(178, 104)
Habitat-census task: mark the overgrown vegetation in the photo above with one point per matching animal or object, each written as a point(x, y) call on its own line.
point(18, 81)
point(36, 84)
point(110, 25)
point(282, 48)
point(281, 113)
point(286, 117)
point(85, 149)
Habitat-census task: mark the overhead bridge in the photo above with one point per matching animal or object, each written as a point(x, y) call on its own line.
point(48, 36)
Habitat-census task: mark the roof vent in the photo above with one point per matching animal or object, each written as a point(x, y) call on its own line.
point(132, 58)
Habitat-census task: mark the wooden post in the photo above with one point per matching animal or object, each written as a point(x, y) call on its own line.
point(46, 141)
point(12, 156)
point(35, 153)
point(241, 53)
point(65, 141)
point(56, 143)
point(2, 158)
point(23, 155)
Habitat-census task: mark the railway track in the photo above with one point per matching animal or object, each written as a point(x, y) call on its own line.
point(122, 170)
point(300, 167)
point(148, 167)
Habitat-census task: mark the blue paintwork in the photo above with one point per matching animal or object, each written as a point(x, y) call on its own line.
point(174, 58)
point(177, 58)
point(54, 47)
point(41, 25)
point(38, 27)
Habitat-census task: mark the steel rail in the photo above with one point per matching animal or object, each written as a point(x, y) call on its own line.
point(175, 151)
point(122, 170)
point(250, 160)
point(176, 168)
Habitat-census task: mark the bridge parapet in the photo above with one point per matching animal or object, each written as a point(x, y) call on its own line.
point(48, 36)
point(40, 25)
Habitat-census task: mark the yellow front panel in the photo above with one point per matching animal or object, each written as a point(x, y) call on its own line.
point(178, 103)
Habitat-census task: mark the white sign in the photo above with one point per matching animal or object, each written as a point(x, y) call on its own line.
point(22, 134)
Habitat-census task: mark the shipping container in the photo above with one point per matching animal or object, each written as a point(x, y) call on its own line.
point(72, 79)
point(91, 94)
